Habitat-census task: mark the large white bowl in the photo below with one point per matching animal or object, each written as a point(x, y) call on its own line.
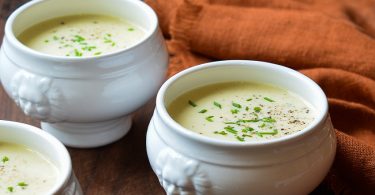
point(37, 140)
point(188, 163)
point(83, 101)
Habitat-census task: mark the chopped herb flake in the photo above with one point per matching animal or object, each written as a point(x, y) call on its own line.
point(240, 138)
point(247, 121)
point(262, 125)
point(236, 105)
point(10, 189)
point(230, 129)
point(221, 132)
point(234, 111)
point(247, 129)
point(192, 103)
point(22, 184)
point(5, 159)
point(209, 118)
point(268, 99)
point(269, 120)
point(217, 104)
point(78, 38)
point(259, 134)
point(77, 53)
point(203, 111)
point(257, 109)
point(274, 132)
point(88, 48)
point(130, 29)
point(249, 99)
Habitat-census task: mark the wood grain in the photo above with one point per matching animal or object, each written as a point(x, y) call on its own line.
point(118, 168)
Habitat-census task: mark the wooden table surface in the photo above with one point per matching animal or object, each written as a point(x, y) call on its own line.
point(118, 168)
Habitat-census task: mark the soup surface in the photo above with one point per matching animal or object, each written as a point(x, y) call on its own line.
point(241, 111)
point(24, 171)
point(81, 35)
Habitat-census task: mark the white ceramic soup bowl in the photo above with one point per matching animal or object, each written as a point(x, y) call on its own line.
point(83, 101)
point(188, 163)
point(47, 145)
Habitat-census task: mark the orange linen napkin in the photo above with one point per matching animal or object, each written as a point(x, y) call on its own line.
point(330, 41)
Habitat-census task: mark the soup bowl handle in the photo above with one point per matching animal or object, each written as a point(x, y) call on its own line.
point(179, 174)
point(34, 94)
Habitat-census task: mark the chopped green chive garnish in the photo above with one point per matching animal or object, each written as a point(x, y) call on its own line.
point(5, 159)
point(22, 184)
point(236, 105)
point(113, 44)
point(234, 111)
point(97, 53)
point(260, 134)
point(78, 38)
point(109, 35)
point(46, 41)
point(130, 29)
point(221, 132)
point(10, 189)
point(203, 111)
point(247, 121)
point(249, 99)
point(230, 123)
point(240, 138)
point(88, 48)
point(257, 109)
point(247, 108)
point(55, 37)
point(268, 99)
point(209, 118)
point(246, 135)
point(217, 104)
point(262, 125)
point(107, 40)
point(77, 53)
point(269, 120)
point(192, 103)
point(247, 129)
point(230, 129)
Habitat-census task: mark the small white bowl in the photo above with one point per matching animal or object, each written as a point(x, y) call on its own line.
point(83, 101)
point(42, 142)
point(188, 163)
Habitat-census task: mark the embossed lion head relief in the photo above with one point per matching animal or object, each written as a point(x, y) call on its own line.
point(181, 175)
point(36, 96)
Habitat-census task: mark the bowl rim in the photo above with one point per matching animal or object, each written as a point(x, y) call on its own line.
point(66, 171)
point(8, 33)
point(182, 131)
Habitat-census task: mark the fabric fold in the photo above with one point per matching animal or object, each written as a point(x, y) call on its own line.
point(330, 41)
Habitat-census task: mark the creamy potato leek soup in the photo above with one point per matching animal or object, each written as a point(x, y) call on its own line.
point(241, 111)
point(24, 171)
point(82, 35)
